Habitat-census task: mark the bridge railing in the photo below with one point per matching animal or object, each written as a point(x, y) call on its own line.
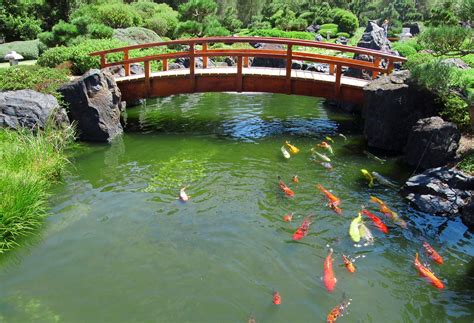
point(288, 54)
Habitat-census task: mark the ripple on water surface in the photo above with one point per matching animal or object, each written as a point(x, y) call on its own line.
point(120, 247)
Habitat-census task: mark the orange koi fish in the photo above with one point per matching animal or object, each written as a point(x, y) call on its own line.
point(378, 223)
point(288, 217)
point(295, 179)
point(303, 229)
point(432, 253)
point(338, 310)
point(333, 202)
point(329, 278)
point(391, 214)
point(327, 146)
point(284, 188)
point(348, 264)
point(276, 298)
point(425, 272)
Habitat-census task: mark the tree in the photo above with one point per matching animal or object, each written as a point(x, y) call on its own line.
point(197, 10)
point(230, 19)
point(444, 15)
point(448, 40)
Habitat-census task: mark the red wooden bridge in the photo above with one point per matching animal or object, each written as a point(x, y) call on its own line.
point(242, 77)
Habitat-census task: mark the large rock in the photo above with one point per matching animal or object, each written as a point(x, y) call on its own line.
point(136, 35)
point(30, 109)
point(432, 142)
point(440, 191)
point(392, 106)
point(269, 62)
point(467, 214)
point(119, 70)
point(94, 102)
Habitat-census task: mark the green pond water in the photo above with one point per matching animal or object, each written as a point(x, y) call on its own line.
point(119, 246)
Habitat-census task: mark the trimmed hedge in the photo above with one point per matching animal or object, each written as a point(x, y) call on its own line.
point(332, 29)
point(405, 49)
point(345, 19)
point(279, 33)
point(29, 49)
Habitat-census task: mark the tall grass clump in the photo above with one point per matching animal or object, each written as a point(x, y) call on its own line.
point(30, 163)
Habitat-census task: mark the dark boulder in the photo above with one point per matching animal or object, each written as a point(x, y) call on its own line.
point(297, 65)
point(432, 142)
point(229, 61)
point(313, 28)
point(94, 103)
point(269, 62)
point(467, 214)
point(184, 61)
point(440, 191)
point(119, 70)
point(392, 106)
point(30, 109)
point(318, 37)
point(414, 28)
point(342, 40)
point(175, 66)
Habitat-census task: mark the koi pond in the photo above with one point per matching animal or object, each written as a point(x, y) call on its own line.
point(120, 247)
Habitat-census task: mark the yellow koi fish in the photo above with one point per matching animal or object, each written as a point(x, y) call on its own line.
point(354, 228)
point(292, 148)
point(369, 177)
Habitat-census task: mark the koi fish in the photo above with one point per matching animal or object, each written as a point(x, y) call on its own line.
point(382, 180)
point(276, 298)
point(338, 310)
point(376, 220)
point(292, 148)
point(329, 278)
point(385, 210)
point(326, 165)
point(333, 202)
point(329, 139)
point(341, 135)
point(182, 195)
point(432, 253)
point(295, 179)
point(425, 272)
point(348, 264)
point(323, 157)
point(285, 152)
point(327, 146)
point(372, 156)
point(369, 177)
point(303, 229)
point(354, 228)
point(366, 234)
point(284, 188)
point(252, 319)
point(288, 217)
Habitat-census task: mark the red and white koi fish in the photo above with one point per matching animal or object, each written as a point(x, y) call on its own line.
point(288, 217)
point(329, 278)
point(326, 146)
point(333, 202)
point(303, 229)
point(284, 188)
point(295, 179)
point(425, 272)
point(432, 253)
point(182, 195)
point(348, 264)
point(338, 310)
point(276, 298)
point(391, 214)
point(376, 220)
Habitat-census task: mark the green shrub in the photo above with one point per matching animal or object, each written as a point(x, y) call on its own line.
point(41, 79)
point(136, 35)
point(29, 49)
point(118, 15)
point(79, 56)
point(403, 48)
point(160, 18)
point(189, 27)
point(100, 31)
point(82, 23)
point(346, 35)
point(456, 110)
point(467, 164)
point(417, 59)
point(346, 20)
point(279, 33)
point(61, 34)
point(447, 40)
point(435, 76)
point(15, 27)
point(469, 59)
point(331, 29)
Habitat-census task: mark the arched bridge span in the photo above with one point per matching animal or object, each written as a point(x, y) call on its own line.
point(243, 78)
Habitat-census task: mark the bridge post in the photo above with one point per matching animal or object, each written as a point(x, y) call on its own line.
point(103, 60)
point(239, 74)
point(192, 67)
point(165, 64)
point(377, 60)
point(204, 58)
point(337, 89)
point(126, 65)
point(289, 62)
point(147, 78)
point(246, 61)
point(331, 69)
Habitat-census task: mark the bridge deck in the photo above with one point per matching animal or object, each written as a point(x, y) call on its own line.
point(254, 71)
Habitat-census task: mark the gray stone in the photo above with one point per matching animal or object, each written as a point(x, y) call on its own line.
point(313, 28)
point(440, 191)
point(456, 62)
point(392, 106)
point(432, 142)
point(94, 103)
point(269, 62)
point(119, 70)
point(30, 109)
point(297, 65)
point(229, 61)
point(175, 66)
point(318, 37)
point(467, 215)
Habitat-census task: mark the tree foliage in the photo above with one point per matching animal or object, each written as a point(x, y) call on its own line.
point(448, 40)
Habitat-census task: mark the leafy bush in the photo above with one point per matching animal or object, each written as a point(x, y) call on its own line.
point(469, 59)
point(189, 27)
point(417, 59)
point(99, 31)
point(29, 49)
point(41, 79)
point(456, 110)
point(435, 76)
point(136, 35)
point(61, 34)
point(118, 15)
point(79, 56)
point(331, 29)
point(346, 20)
point(447, 40)
point(346, 35)
point(279, 33)
point(467, 164)
point(160, 18)
point(82, 23)
point(403, 48)
point(15, 27)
